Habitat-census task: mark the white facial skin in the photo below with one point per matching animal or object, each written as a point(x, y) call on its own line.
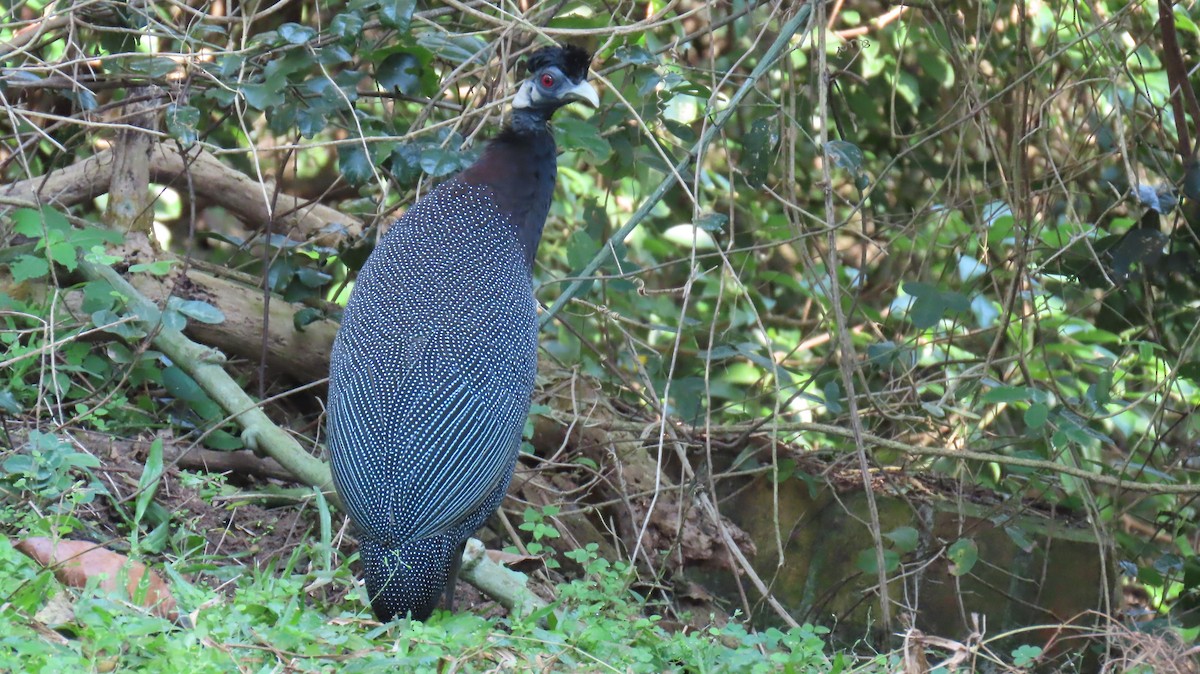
point(535, 92)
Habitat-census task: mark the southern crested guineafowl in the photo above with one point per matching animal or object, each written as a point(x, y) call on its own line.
point(434, 363)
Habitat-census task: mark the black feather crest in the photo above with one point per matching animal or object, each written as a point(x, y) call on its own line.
point(570, 59)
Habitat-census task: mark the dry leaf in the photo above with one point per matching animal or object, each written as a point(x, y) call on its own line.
point(513, 560)
point(74, 562)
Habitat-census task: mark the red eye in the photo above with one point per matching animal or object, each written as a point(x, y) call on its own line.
point(548, 80)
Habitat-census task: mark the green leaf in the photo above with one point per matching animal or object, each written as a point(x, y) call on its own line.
point(29, 267)
point(712, 222)
point(1006, 394)
point(932, 305)
point(148, 484)
point(200, 311)
point(294, 33)
point(833, 397)
point(681, 131)
point(846, 155)
point(182, 121)
point(306, 316)
point(906, 539)
point(1027, 655)
point(154, 67)
point(759, 155)
point(397, 14)
point(997, 217)
point(173, 320)
point(636, 55)
point(63, 253)
point(573, 133)
point(107, 320)
point(262, 96)
point(785, 469)
point(962, 554)
point(157, 268)
point(1101, 391)
point(400, 72)
point(1036, 415)
point(98, 255)
point(581, 247)
point(223, 440)
point(457, 50)
point(867, 563)
point(438, 161)
point(354, 164)
point(36, 223)
point(909, 88)
point(181, 385)
point(347, 26)
point(9, 404)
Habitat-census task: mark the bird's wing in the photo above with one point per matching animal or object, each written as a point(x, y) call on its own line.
point(461, 436)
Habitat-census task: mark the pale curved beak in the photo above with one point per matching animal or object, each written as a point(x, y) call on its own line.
point(583, 92)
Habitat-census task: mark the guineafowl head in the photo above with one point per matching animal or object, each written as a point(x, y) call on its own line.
point(558, 75)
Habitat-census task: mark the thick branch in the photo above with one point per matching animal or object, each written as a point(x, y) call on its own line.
point(211, 179)
point(129, 206)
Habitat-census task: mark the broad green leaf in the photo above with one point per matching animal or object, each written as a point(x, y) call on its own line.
point(182, 121)
point(36, 223)
point(262, 96)
point(354, 164)
point(581, 247)
point(98, 255)
point(681, 131)
point(573, 133)
point(845, 155)
point(306, 316)
point(154, 67)
point(760, 144)
point(962, 554)
point(868, 564)
point(9, 404)
point(1006, 394)
point(400, 72)
point(785, 469)
point(1100, 392)
point(397, 14)
point(1036, 415)
point(438, 161)
point(157, 268)
point(454, 49)
point(294, 33)
point(200, 311)
point(1026, 655)
point(64, 253)
point(906, 539)
point(712, 222)
point(181, 385)
point(29, 267)
point(347, 26)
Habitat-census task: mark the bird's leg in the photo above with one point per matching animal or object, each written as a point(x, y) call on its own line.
point(452, 580)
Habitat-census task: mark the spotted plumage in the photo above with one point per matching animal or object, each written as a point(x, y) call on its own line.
point(433, 366)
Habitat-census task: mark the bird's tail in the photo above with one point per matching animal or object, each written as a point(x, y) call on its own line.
point(408, 579)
